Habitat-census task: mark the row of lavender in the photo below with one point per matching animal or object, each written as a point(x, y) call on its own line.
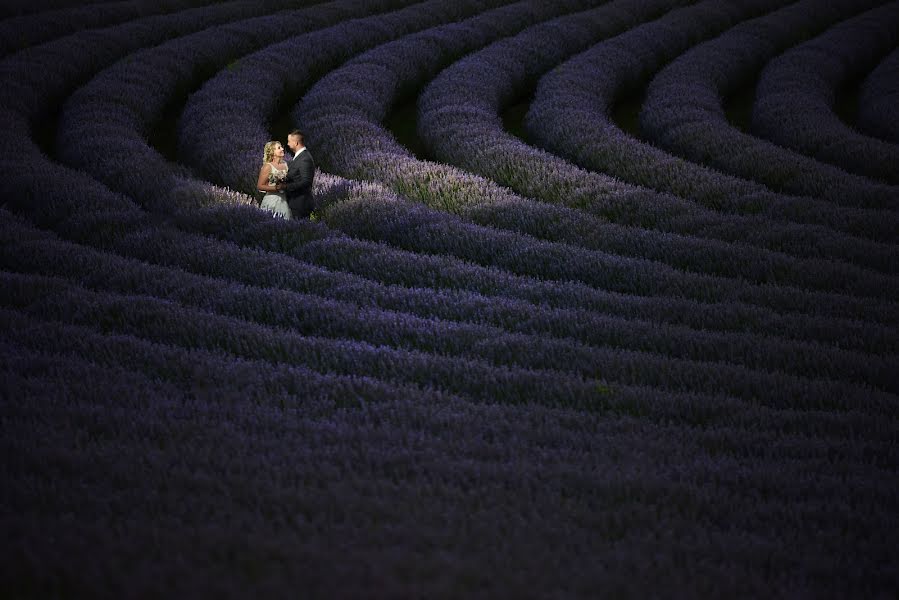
point(572, 116)
point(342, 115)
point(380, 330)
point(108, 235)
point(137, 187)
point(37, 79)
point(682, 109)
point(472, 243)
point(213, 112)
point(287, 353)
point(366, 150)
point(25, 30)
point(131, 95)
point(811, 76)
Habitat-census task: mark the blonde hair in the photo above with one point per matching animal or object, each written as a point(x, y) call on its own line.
point(268, 153)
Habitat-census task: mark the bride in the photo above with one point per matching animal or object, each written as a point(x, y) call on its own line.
point(272, 173)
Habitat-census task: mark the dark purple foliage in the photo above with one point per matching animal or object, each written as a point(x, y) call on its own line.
point(504, 376)
point(683, 111)
point(797, 95)
point(878, 101)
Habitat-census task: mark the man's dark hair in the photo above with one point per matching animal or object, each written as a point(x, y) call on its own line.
point(299, 134)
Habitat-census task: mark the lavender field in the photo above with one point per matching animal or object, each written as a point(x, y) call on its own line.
point(598, 300)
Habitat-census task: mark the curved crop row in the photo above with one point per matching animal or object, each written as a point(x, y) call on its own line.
point(797, 92)
point(132, 366)
point(683, 110)
point(501, 73)
point(233, 105)
point(89, 216)
point(22, 250)
point(70, 194)
point(572, 115)
point(343, 320)
point(36, 80)
point(132, 95)
point(24, 31)
point(171, 324)
point(474, 378)
point(409, 269)
point(878, 103)
point(340, 116)
point(877, 286)
point(169, 369)
point(84, 213)
point(162, 372)
point(344, 306)
point(143, 165)
point(459, 118)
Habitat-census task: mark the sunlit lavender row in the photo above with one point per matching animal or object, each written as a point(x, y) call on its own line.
point(534, 341)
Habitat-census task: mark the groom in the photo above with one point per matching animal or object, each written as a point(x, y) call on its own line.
point(300, 173)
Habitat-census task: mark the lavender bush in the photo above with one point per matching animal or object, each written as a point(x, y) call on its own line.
point(409, 226)
point(36, 79)
point(374, 261)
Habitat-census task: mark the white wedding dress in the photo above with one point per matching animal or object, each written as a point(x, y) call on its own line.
point(276, 202)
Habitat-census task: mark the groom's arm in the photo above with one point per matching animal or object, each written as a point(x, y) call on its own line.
point(299, 180)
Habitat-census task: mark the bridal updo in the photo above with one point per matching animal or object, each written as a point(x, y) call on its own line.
point(268, 153)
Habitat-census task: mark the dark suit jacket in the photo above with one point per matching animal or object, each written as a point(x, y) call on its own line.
point(298, 185)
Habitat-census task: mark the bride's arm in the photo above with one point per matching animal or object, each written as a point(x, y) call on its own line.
point(262, 183)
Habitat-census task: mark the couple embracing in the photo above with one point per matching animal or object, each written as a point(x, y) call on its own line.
point(287, 185)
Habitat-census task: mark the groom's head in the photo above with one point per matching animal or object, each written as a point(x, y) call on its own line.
point(295, 140)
